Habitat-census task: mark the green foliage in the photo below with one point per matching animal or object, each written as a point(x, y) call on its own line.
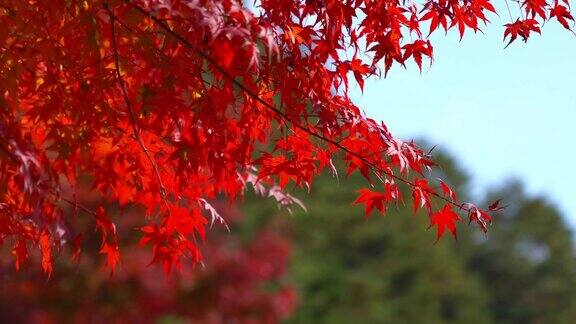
point(529, 264)
point(388, 269)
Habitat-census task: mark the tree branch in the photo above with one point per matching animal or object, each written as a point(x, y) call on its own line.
point(129, 107)
point(269, 106)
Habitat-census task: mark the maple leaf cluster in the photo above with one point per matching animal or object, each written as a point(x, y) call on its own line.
point(243, 280)
point(167, 105)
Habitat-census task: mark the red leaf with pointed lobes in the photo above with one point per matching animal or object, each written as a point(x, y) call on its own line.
point(414, 22)
point(484, 5)
point(298, 35)
point(460, 19)
point(421, 195)
point(561, 13)
point(356, 163)
point(521, 28)
point(371, 199)
point(478, 216)
point(104, 224)
point(186, 222)
point(360, 70)
point(112, 254)
point(495, 206)
point(45, 243)
point(416, 50)
point(444, 219)
point(153, 234)
point(391, 191)
point(437, 15)
point(447, 190)
point(535, 7)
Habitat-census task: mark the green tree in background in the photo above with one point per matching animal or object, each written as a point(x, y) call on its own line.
point(528, 265)
point(386, 270)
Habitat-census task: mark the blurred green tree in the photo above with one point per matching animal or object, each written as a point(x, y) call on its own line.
point(386, 270)
point(528, 265)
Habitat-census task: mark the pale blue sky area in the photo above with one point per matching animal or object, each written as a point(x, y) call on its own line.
point(503, 113)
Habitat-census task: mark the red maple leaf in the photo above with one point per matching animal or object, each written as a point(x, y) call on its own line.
point(495, 206)
point(438, 15)
point(535, 7)
point(416, 50)
point(421, 195)
point(104, 224)
point(112, 254)
point(447, 190)
point(521, 28)
point(371, 199)
point(561, 13)
point(45, 244)
point(479, 216)
point(445, 218)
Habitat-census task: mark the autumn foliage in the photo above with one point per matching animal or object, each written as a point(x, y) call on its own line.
point(243, 280)
point(165, 106)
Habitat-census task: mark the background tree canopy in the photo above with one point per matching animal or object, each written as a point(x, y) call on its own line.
point(385, 270)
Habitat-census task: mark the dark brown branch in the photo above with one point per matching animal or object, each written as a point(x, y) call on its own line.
point(75, 204)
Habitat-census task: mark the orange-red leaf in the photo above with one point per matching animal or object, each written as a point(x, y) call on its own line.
point(371, 199)
point(447, 190)
point(561, 13)
point(444, 219)
point(112, 253)
point(46, 251)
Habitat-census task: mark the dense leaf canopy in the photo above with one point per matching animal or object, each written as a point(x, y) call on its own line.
point(166, 105)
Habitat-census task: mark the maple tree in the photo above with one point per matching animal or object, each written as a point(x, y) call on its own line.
point(168, 105)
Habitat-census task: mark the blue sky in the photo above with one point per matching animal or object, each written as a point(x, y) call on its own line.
point(504, 113)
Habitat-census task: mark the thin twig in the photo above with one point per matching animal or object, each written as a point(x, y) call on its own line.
point(509, 12)
point(75, 204)
point(131, 111)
